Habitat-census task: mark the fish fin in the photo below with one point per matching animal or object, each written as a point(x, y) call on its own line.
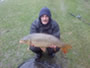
point(65, 48)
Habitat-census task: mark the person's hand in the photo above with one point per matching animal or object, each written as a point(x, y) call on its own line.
point(53, 46)
point(43, 49)
point(32, 45)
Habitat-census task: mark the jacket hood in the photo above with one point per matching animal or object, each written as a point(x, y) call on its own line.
point(46, 11)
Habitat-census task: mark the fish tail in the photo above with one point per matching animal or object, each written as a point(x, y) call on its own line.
point(65, 48)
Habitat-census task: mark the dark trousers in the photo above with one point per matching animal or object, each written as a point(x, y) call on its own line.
point(50, 51)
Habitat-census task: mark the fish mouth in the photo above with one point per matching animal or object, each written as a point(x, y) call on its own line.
point(25, 42)
point(21, 42)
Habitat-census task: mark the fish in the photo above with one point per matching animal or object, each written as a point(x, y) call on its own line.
point(43, 40)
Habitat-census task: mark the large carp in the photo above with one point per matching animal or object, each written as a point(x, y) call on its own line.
point(44, 40)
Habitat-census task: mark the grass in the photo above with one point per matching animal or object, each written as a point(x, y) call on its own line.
point(17, 15)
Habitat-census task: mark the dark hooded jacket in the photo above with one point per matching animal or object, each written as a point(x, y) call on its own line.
point(51, 28)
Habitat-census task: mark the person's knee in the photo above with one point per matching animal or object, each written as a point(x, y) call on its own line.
point(35, 49)
point(57, 49)
point(52, 50)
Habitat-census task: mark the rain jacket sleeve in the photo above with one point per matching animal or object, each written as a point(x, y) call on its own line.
point(56, 30)
point(33, 27)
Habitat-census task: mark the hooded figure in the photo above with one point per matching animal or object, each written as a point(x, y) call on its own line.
point(45, 24)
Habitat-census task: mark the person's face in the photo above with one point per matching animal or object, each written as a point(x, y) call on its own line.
point(44, 19)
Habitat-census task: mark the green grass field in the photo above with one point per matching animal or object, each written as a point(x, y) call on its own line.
point(17, 15)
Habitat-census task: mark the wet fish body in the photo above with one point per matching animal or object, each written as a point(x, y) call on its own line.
point(43, 41)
